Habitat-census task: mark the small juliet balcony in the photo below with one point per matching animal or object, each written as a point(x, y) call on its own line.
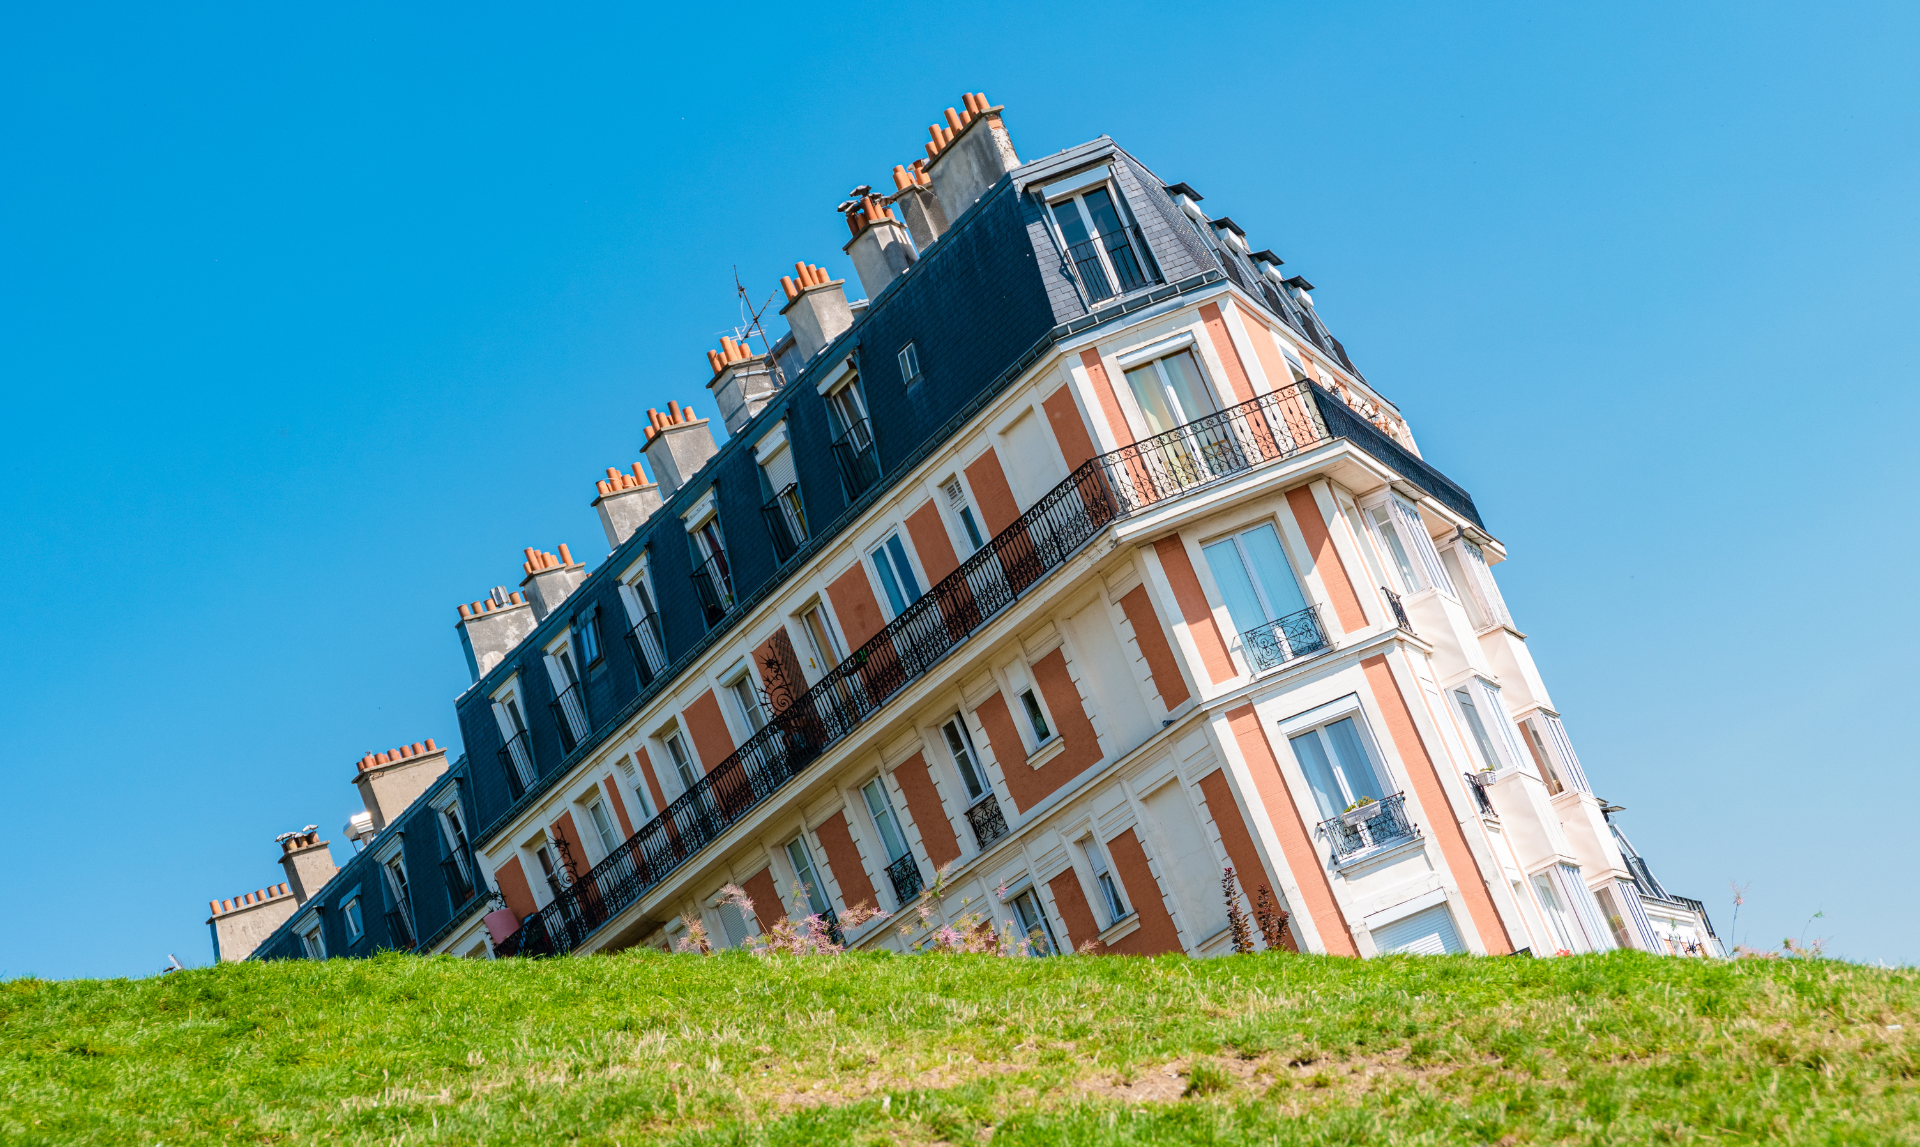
point(649, 657)
point(570, 716)
point(458, 875)
point(989, 824)
point(1284, 639)
point(859, 458)
point(905, 874)
point(400, 928)
point(1369, 828)
point(713, 585)
point(786, 522)
point(516, 760)
point(1111, 264)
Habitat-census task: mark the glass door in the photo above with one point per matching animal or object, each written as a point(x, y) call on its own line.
point(1263, 597)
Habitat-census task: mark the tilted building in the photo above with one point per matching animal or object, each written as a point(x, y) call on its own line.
point(1077, 562)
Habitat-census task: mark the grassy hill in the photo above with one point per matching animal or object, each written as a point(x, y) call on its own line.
point(641, 1047)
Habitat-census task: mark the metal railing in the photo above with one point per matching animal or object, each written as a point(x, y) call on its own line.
point(859, 458)
point(713, 585)
point(643, 641)
point(1700, 908)
point(1128, 273)
point(454, 869)
point(987, 822)
point(1477, 783)
point(516, 760)
point(1039, 541)
point(905, 874)
point(570, 716)
point(399, 928)
point(786, 521)
point(1282, 640)
point(1215, 448)
point(1399, 611)
point(1373, 825)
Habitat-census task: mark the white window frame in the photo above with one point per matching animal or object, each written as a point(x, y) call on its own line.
point(1423, 564)
point(909, 365)
point(1143, 429)
point(741, 687)
point(962, 521)
point(1031, 894)
point(1317, 719)
point(848, 399)
point(878, 554)
point(637, 784)
point(1491, 710)
point(604, 826)
point(882, 814)
point(972, 758)
point(313, 937)
point(452, 831)
point(1073, 189)
point(1104, 880)
point(636, 594)
point(353, 919)
point(685, 763)
point(813, 887)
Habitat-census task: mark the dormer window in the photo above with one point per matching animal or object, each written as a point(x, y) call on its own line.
point(643, 621)
point(1104, 248)
point(569, 702)
point(853, 445)
point(712, 577)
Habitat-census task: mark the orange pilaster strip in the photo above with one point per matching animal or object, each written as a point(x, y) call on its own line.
point(1326, 559)
point(1222, 340)
point(1193, 609)
point(1296, 844)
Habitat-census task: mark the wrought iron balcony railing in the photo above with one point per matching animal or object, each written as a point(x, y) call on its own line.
point(1373, 825)
point(1399, 611)
point(988, 824)
point(1092, 259)
point(905, 874)
point(399, 928)
point(786, 521)
point(713, 585)
point(1284, 639)
point(1478, 783)
point(570, 716)
point(516, 760)
point(643, 641)
point(1212, 449)
point(859, 458)
point(458, 874)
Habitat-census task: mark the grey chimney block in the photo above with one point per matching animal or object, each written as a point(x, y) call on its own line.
point(676, 453)
point(625, 511)
point(881, 253)
point(493, 634)
point(743, 390)
point(979, 155)
point(817, 317)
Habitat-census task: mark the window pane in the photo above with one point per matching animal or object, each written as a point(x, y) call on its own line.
point(1035, 717)
point(1269, 564)
point(1312, 756)
point(1395, 551)
point(888, 582)
point(1236, 589)
point(1147, 391)
point(1350, 757)
point(1067, 214)
point(882, 810)
point(904, 568)
point(1183, 379)
point(1100, 205)
point(958, 745)
point(1488, 757)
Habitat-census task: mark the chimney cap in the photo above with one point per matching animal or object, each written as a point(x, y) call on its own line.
point(1299, 283)
point(1183, 189)
point(1267, 256)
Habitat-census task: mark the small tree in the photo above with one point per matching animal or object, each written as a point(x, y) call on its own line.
point(1236, 919)
point(1272, 920)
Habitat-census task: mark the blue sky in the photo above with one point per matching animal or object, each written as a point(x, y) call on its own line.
point(311, 320)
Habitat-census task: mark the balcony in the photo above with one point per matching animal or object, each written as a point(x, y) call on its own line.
point(1399, 611)
point(905, 874)
point(649, 657)
point(786, 522)
point(1477, 783)
point(1212, 449)
point(516, 760)
point(713, 585)
point(399, 928)
point(1369, 828)
point(458, 875)
point(987, 822)
point(1285, 639)
point(859, 458)
point(1111, 264)
point(570, 717)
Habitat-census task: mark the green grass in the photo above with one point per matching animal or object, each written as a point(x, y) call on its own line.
point(641, 1047)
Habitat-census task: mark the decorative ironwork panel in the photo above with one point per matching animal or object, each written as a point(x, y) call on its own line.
point(905, 874)
point(1399, 611)
point(988, 824)
point(1371, 826)
point(1212, 449)
point(1284, 639)
point(516, 760)
point(1478, 783)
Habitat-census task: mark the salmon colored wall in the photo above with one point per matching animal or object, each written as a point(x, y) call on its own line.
point(1193, 609)
point(931, 542)
point(709, 731)
point(563, 829)
point(1222, 340)
point(923, 804)
point(1068, 430)
point(767, 909)
point(855, 607)
point(1326, 559)
point(991, 492)
point(653, 782)
point(1071, 901)
point(1156, 933)
point(843, 857)
point(511, 880)
point(1081, 749)
point(1296, 845)
point(1109, 402)
point(1261, 336)
point(1225, 812)
point(619, 805)
point(1152, 641)
point(1425, 778)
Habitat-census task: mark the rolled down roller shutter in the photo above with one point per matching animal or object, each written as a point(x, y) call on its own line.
point(1428, 932)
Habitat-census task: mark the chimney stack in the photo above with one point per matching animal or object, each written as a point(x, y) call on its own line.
point(308, 862)
point(392, 780)
point(816, 309)
point(916, 203)
point(626, 501)
point(491, 627)
point(550, 579)
point(881, 248)
point(968, 154)
point(678, 445)
point(743, 382)
point(240, 924)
